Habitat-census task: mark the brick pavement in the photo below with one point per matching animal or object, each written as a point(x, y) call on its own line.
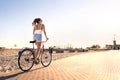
point(90, 66)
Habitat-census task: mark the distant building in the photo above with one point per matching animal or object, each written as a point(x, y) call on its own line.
point(114, 46)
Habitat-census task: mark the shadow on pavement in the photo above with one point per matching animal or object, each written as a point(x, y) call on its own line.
point(16, 74)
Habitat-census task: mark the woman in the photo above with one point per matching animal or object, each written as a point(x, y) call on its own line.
point(37, 34)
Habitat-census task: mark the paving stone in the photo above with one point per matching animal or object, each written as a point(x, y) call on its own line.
point(92, 66)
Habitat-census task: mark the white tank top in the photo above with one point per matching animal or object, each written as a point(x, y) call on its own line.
point(38, 32)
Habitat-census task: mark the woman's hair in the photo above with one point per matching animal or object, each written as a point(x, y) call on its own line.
point(36, 21)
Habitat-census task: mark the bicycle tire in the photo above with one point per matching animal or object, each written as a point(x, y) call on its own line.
point(26, 59)
point(46, 58)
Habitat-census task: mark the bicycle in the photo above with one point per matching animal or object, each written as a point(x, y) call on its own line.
point(26, 57)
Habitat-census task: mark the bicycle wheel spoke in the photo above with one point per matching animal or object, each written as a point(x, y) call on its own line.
point(46, 59)
point(26, 60)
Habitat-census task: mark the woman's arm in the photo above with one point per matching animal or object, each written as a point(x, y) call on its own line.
point(43, 28)
point(33, 29)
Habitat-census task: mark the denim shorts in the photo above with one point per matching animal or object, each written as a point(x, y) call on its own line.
point(37, 37)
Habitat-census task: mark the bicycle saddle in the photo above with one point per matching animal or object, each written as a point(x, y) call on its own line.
point(33, 41)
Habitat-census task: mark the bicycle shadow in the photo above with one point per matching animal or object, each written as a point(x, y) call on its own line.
point(16, 74)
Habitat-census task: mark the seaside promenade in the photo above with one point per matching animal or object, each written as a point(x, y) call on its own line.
point(103, 65)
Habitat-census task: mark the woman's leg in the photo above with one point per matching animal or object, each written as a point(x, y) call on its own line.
point(38, 44)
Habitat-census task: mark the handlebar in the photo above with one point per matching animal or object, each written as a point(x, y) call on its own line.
point(45, 41)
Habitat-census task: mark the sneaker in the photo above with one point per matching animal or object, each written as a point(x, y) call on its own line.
point(36, 62)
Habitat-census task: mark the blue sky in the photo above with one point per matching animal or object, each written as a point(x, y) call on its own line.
point(80, 23)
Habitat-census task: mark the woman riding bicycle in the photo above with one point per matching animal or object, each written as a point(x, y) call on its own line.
point(37, 35)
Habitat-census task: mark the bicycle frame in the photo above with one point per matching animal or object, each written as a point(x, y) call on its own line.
point(33, 48)
point(41, 48)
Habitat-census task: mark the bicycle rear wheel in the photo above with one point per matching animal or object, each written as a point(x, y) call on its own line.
point(26, 60)
point(46, 58)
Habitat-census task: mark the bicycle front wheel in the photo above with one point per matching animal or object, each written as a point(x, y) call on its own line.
point(26, 60)
point(46, 58)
